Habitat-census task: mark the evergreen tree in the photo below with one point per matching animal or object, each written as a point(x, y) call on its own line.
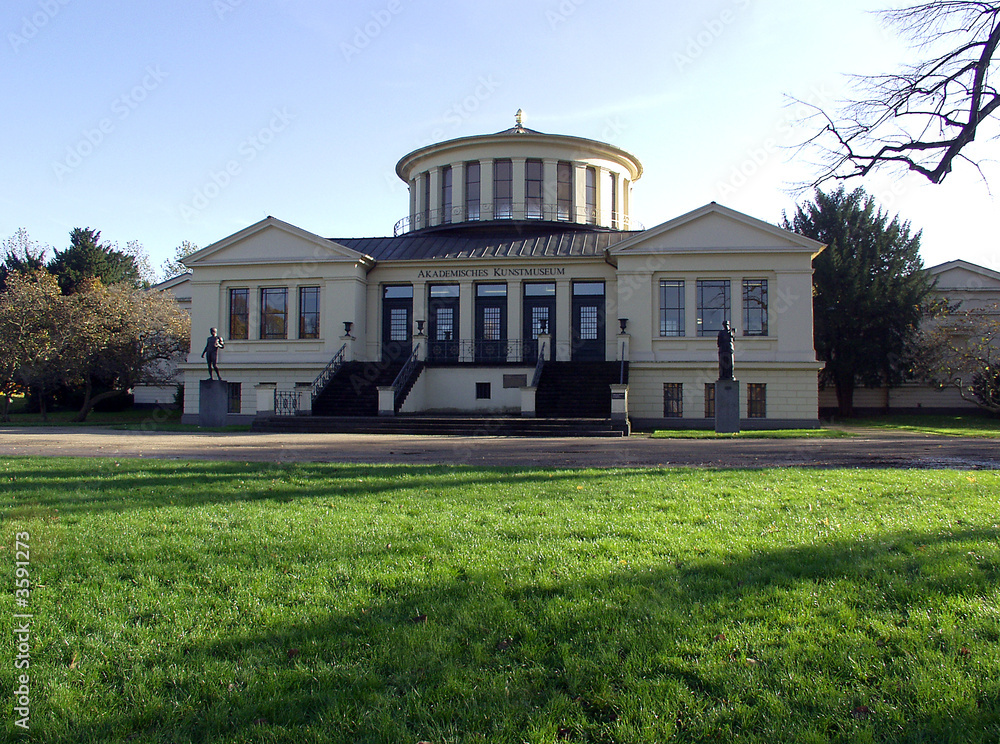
point(21, 253)
point(87, 258)
point(869, 289)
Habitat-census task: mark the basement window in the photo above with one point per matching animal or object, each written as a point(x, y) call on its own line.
point(483, 391)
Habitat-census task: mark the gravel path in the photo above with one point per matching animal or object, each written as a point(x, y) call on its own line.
point(869, 450)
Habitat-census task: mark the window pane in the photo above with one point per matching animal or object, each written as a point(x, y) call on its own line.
point(539, 321)
point(491, 290)
point(274, 313)
point(588, 323)
point(713, 305)
point(503, 189)
point(239, 313)
point(755, 307)
point(673, 400)
point(709, 400)
point(533, 189)
point(444, 290)
point(399, 324)
point(671, 308)
point(472, 190)
point(398, 292)
point(491, 324)
point(444, 324)
point(539, 290)
point(588, 288)
point(446, 194)
point(756, 400)
point(564, 190)
point(309, 312)
point(591, 191)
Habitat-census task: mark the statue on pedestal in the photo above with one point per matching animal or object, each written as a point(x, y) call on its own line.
point(211, 352)
point(727, 352)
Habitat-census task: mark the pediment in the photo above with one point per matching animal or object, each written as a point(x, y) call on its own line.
point(272, 241)
point(963, 275)
point(716, 228)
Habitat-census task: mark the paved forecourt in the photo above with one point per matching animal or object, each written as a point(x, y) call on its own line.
point(870, 450)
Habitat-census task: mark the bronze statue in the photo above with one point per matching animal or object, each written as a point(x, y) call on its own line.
point(211, 352)
point(727, 352)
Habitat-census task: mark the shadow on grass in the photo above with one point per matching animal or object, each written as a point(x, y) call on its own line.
point(844, 641)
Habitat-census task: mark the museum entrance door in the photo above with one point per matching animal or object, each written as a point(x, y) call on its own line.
point(491, 323)
point(588, 322)
point(442, 323)
point(539, 317)
point(397, 323)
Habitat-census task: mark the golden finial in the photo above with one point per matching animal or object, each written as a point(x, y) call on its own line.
point(518, 117)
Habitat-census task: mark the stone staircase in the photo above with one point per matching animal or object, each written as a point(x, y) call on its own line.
point(577, 389)
point(353, 391)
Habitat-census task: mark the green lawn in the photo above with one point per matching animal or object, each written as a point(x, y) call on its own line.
point(751, 434)
point(232, 602)
point(968, 425)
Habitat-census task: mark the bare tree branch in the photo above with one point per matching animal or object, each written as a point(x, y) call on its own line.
point(923, 117)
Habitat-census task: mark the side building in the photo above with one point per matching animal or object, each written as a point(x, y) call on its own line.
point(518, 284)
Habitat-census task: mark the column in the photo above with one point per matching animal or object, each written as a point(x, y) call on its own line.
point(579, 213)
point(486, 189)
point(435, 213)
point(458, 192)
point(550, 189)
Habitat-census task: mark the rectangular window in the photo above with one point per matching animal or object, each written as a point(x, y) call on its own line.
point(564, 190)
point(539, 321)
point(671, 307)
point(709, 400)
point(427, 199)
point(673, 400)
point(483, 391)
point(756, 400)
point(444, 324)
point(588, 323)
point(713, 305)
point(491, 324)
point(398, 323)
point(472, 170)
point(234, 392)
point(308, 312)
point(239, 314)
point(446, 194)
point(591, 193)
point(614, 202)
point(533, 189)
point(503, 189)
point(274, 312)
point(755, 307)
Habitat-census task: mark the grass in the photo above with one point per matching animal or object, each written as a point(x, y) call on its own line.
point(135, 419)
point(967, 425)
point(233, 602)
point(752, 434)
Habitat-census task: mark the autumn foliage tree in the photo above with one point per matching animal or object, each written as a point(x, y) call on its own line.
point(961, 350)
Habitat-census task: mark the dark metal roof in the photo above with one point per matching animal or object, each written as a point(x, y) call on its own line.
point(576, 243)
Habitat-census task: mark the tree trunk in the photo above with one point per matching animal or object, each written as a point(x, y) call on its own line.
point(845, 397)
point(89, 402)
point(6, 409)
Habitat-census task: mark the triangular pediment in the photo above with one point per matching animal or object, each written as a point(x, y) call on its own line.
point(272, 241)
point(715, 228)
point(963, 275)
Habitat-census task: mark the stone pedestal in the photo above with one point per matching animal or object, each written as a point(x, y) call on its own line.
point(619, 408)
point(386, 400)
point(528, 401)
point(265, 398)
point(727, 406)
point(213, 402)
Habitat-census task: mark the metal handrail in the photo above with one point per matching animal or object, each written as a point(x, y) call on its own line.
point(327, 374)
point(520, 211)
point(538, 365)
point(403, 378)
point(469, 351)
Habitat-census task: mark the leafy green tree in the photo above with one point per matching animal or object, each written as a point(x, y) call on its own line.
point(869, 291)
point(21, 253)
point(88, 258)
point(173, 266)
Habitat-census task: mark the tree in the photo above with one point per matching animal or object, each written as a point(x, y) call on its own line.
point(88, 258)
point(962, 350)
point(21, 253)
point(869, 288)
point(173, 266)
point(923, 117)
point(34, 335)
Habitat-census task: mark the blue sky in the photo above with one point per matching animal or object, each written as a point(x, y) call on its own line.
point(188, 120)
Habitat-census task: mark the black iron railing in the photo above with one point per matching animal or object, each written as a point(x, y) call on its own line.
point(286, 402)
point(405, 376)
point(527, 211)
point(327, 374)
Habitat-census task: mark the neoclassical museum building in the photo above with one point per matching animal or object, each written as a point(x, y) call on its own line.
point(518, 285)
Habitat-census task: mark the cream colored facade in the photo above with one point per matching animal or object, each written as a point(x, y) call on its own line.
point(544, 262)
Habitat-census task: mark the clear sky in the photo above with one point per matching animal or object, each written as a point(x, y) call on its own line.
point(189, 120)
